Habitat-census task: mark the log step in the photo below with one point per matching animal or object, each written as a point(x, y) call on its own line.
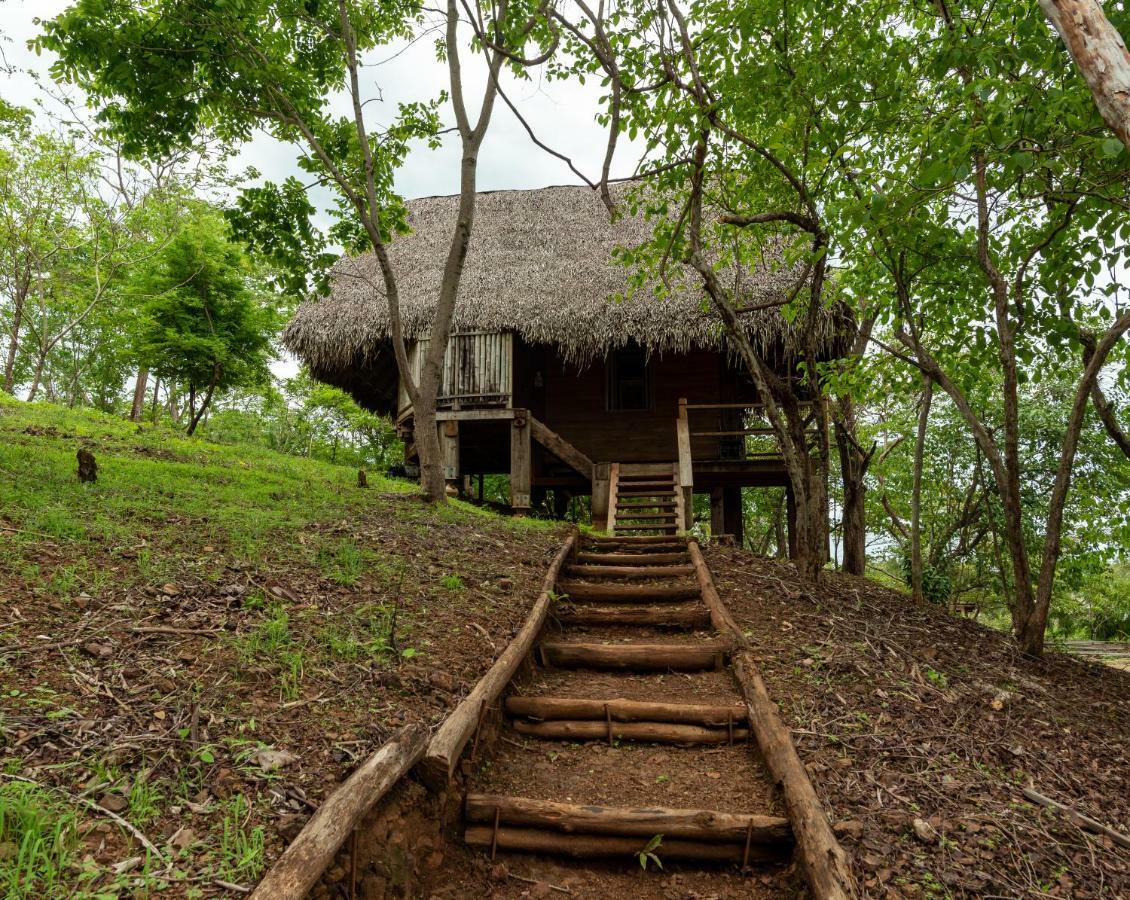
point(586, 846)
point(641, 732)
point(582, 571)
point(635, 657)
point(607, 539)
point(629, 516)
point(612, 559)
point(621, 710)
point(638, 616)
point(627, 593)
point(547, 826)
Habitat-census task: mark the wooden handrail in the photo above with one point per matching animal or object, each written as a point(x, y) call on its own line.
point(561, 448)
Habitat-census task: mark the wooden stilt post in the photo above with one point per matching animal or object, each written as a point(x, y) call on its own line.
point(717, 512)
point(449, 447)
point(520, 463)
point(790, 519)
point(732, 513)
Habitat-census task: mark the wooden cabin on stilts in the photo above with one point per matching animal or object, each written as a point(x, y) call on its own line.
point(565, 370)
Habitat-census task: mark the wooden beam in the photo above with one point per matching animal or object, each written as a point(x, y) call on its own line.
point(644, 732)
point(520, 464)
point(687, 824)
point(310, 853)
point(438, 764)
point(449, 449)
point(613, 497)
point(602, 473)
point(473, 415)
point(618, 558)
point(561, 448)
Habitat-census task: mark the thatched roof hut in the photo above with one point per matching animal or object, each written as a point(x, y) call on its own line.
point(541, 265)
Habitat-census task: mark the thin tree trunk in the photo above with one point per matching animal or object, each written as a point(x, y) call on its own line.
point(854, 462)
point(139, 394)
point(197, 415)
point(40, 362)
point(916, 493)
point(1101, 56)
point(14, 342)
point(1031, 633)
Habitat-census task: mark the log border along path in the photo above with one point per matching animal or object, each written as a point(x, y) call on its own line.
point(626, 582)
point(704, 836)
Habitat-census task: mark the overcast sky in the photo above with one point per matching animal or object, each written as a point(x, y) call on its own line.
point(561, 113)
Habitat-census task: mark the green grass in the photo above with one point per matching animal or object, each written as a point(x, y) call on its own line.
point(241, 848)
point(236, 498)
point(38, 841)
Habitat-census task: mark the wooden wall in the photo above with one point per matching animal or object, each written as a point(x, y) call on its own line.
point(573, 402)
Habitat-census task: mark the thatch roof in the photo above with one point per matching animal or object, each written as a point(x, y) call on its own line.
point(541, 264)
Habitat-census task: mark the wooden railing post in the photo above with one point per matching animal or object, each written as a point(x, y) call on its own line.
point(686, 465)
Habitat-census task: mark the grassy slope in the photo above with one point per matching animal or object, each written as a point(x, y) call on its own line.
point(200, 604)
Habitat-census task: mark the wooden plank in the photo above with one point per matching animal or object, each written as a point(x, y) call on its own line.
point(635, 657)
point(561, 448)
point(688, 824)
point(443, 752)
point(613, 496)
point(644, 732)
point(621, 710)
point(310, 853)
point(473, 415)
point(449, 449)
point(586, 846)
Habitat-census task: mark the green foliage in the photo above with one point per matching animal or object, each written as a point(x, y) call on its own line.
point(649, 855)
point(40, 840)
point(242, 847)
point(202, 324)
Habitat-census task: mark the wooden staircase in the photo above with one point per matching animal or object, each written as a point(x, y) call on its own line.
point(644, 499)
point(634, 661)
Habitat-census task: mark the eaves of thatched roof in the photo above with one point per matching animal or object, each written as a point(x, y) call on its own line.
point(541, 264)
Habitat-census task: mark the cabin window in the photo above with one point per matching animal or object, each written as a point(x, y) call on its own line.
point(629, 386)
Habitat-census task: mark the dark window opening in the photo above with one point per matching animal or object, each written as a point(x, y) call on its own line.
point(629, 386)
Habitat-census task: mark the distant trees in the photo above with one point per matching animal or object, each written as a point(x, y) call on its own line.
point(202, 324)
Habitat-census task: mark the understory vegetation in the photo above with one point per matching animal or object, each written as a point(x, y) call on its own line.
point(199, 642)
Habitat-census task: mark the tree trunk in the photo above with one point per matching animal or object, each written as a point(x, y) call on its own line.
point(854, 462)
point(40, 362)
point(139, 394)
point(1101, 56)
point(916, 493)
point(14, 342)
point(198, 414)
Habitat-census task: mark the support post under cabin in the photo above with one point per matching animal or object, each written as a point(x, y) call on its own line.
point(449, 450)
point(601, 478)
point(520, 463)
point(733, 516)
point(790, 519)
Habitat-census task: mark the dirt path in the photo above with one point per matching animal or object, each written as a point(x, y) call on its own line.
point(606, 768)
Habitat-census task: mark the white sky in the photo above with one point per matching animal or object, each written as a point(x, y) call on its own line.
point(561, 114)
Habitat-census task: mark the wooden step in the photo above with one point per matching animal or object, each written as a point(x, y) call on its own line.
point(627, 593)
point(546, 826)
point(635, 657)
point(647, 504)
point(620, 710)
point(692, 617)
point(588, 846)
point(582, 571)
point(605, 539)
point(641, 551)
point(666, 495)
point(642, 732)
point(629, 558)
point(628, 516)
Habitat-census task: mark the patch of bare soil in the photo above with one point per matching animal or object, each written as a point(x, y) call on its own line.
point(234, 697)
point(921, 732)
